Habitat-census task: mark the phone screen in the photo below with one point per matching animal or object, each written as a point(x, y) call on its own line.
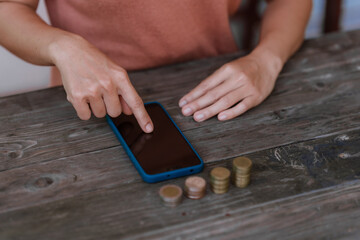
point(164, 149)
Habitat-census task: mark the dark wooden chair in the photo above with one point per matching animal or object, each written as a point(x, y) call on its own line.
point(332, 16)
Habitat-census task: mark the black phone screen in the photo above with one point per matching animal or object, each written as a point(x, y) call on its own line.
point(164, 149)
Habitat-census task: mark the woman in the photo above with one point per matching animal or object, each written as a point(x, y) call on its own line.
point(94, 43)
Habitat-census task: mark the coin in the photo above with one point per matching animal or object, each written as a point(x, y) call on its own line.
point(241, 171)
point(220, 173)
point(219, 191)
point(195, 187)
point(195, 183)
point(241, 182)
point(241, 176)
point(242, 165)
point(171, 195)
point(220, 180)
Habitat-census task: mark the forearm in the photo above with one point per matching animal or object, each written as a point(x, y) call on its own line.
point(23, 33)
point(282, 30)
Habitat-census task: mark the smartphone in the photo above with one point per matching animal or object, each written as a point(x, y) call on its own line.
point(163, 154)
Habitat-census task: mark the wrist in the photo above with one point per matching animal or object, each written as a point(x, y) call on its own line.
point(268, 58)
point(63, 47)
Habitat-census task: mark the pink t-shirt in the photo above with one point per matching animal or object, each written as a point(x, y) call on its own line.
point(139, 34)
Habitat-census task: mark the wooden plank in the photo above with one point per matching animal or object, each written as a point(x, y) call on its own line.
point(313, 54)
point(298, 110)
point(317, 95)
point(32, 101)
point(339, 50)
point(50, 140)
point(109, 200)
point(317, 52)
point(65, 177)
point(289, 90)
point(331, 213)
point(296, 123)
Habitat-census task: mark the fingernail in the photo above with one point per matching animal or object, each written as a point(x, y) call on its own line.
point(222, 117)
point(182, 103)
point(149, 127)
point(199, 117)
point(187, 111)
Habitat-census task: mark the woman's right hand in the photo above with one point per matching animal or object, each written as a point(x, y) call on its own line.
point(95, 83)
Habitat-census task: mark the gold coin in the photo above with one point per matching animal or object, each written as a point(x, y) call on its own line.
point(242, 164)
point(242, 180)
point(215, 181)
point(222, 191)
point(239, 176)
point(170, 193)
point(224, 184)
point(220, 173)
point(242, 183)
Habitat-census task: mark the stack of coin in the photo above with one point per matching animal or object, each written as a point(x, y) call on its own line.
point(220, 180)
point(171, 195)
point(195, 187)
point(241, 171)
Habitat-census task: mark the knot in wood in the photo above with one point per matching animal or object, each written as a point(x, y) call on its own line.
point(43, 182)
point(13, 154)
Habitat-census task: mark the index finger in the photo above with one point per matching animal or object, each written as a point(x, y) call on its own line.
point(136, 105)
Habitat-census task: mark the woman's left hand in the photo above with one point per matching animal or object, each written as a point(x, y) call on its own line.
point(232, 90)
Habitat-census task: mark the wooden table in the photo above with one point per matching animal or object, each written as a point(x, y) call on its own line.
point(63, 178)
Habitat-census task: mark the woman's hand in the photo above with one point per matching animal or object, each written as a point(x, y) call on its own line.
point(233, 89)
point(94, 83)
point(246, 82)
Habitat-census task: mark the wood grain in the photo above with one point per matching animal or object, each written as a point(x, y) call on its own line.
point(109, 194)
point(304, 105)
point(61, 177)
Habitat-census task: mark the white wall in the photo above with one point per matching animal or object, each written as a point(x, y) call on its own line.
point(18, 76)
point(314, 28)
point(350, 15)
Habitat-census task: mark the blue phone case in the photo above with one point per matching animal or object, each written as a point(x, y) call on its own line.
point(151, 178)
